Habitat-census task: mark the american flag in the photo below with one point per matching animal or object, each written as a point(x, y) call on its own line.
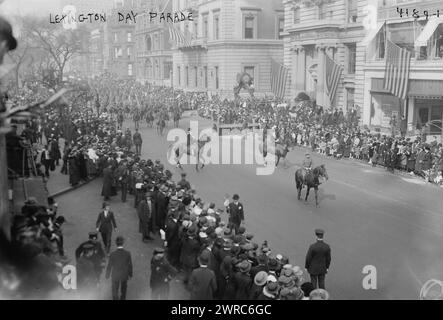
point(398, 61)
point(333, 75)
point(178, 37)
point(279, 77)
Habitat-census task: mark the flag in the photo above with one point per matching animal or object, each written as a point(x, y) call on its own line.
point(333, 75)
point(279, 77)
point(178, 37)
point(398, 61)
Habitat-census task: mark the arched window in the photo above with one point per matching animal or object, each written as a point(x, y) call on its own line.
point(296, 12)
point(148, 43)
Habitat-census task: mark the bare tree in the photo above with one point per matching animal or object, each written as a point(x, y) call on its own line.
point(60, 46)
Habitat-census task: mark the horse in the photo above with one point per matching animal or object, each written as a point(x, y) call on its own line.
point(194, 149)
point(280, 151)
point(311, 180)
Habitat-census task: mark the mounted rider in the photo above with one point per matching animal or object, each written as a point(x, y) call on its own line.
point(307, 165)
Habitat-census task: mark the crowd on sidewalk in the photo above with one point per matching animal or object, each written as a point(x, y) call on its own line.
point(335, 134)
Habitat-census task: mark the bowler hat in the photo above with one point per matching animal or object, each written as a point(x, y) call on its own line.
point(159, 251)
point(204, 257)
point(319, 232)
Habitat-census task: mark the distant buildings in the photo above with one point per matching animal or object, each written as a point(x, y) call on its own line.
point(227, 37)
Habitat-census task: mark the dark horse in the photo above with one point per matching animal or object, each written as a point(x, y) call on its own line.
point(311, 181)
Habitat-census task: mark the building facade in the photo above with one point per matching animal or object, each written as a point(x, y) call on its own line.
point(119, 42)
point(153, 47)
point(422, 110)
point(227, 38)
point(316, 29)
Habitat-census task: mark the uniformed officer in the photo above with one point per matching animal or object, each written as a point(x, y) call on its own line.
point(307, 164)
point(162, 273)
point(97, 255)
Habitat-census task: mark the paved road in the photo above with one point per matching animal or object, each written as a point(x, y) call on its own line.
point(371, 217)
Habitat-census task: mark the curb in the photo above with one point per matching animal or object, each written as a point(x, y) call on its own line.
point(66, 190)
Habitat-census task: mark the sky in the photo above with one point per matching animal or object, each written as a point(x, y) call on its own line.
point(29, 7)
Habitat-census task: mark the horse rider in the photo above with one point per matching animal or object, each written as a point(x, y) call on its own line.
point(307, 164)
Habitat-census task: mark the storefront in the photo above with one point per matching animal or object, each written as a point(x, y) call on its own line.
point(426, 107)
point(386, 109)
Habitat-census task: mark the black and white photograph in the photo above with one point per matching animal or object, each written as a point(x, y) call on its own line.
point(232, 152)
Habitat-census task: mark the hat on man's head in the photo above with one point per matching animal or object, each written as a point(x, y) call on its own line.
point(319, 232)
point(261, 278)
point(272, 287)
point(93, 235)
point(319, 294)
point(235, 197)
point(244, 266)
point(204, 257)
point(159, 250)
point(119, 241)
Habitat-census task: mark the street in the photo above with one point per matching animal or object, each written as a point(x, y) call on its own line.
point(370, 217)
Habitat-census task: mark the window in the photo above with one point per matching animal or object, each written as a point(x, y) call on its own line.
point(206, 76)
point(196, 76)
point(217, 84)
point(321, 11)
point(351, 57)
point(281, 27)
point(187, 76)
point(129, 51)
point(156, 42)
point(352, 11)
point(296, 13)
point(148, 43)
point(380, 51)
point(167, 67)
point(129, 36)
point(249, 27)
point(118, 52)
point(349, 98)
point(130, 69)
point(115, 37)
point(437, 42)
point(216, 27)
point(250, 70)
point(179, 75)
point(195, 28)
point(205, 26)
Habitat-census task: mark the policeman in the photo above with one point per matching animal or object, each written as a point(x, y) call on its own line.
point(162, 273)
point(307, 164)
point(97, 255)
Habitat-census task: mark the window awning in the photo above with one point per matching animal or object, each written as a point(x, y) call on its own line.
point(372, 33)
point(427, 32)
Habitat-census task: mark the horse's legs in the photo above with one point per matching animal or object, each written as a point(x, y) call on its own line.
point(307, 192)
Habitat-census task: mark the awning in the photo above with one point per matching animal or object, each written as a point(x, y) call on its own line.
point(372, 33)
point(427, 32)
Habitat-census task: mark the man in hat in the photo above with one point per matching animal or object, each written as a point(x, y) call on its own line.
point(98, 255)
point(243, 280)
point(105, 224)
point(189, 252)
point(183, 183)
point(144, 211)
point(202, 282)
point(173, 242)
point(318, 259)
point(86, 277)
point(138, 141)
point(162, 272)
point(307, 164)
point(236, 213)
point(120, 267)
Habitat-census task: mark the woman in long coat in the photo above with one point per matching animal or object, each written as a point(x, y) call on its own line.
point(108, 181)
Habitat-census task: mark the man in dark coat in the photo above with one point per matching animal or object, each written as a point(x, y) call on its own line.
point(108, 182)
point(202, 282)
point(318, 260)
point(138, 141)
point(236, 213)
point(98, 254)
point(120, 267)
point(161, 205)
point(144, 216)
point(161, 274)
point(172, 239)
point(183, 183)
point(105, 224)
point(243, 281)
point(189, 252)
